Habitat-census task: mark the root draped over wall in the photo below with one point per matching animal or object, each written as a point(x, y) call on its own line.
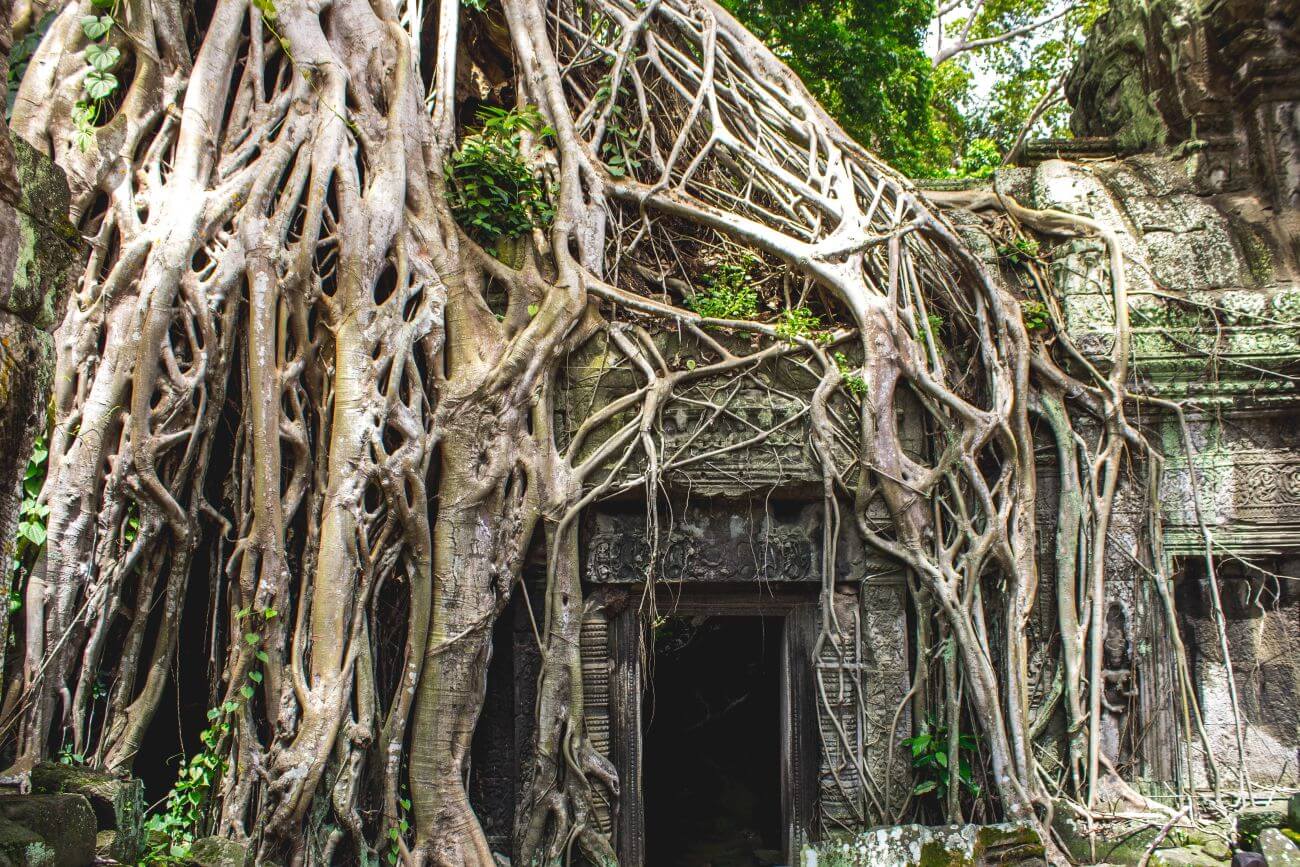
point(266, 201)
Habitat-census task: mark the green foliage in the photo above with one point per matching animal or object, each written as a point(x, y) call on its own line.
point(493, 191)
point(32, 518)
point(70, 758)
point(1035, 315)
point(618, 150)
point(931, 764)
point(936, 324)
point(173, 829)
point(864, 60)
point(100, 83)
point(1020, 250)
point(728, 292)
point(20, 55)
point(398, 831)
point(1008, 80)
point(853, 381)
point(797, 322)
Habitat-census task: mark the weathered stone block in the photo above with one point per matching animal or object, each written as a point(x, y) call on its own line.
point(44, 244)
point(705, 546)
point(54, 830)
point(1185, 856)
point(932, 846)
point(22, 847)
point(1253, 821)
point(217, 852)
point(118, 803)
point(1277, 850)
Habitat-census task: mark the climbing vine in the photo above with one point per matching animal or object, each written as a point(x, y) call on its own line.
point(100, 83)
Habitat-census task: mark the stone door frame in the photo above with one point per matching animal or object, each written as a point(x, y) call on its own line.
point(800, 751)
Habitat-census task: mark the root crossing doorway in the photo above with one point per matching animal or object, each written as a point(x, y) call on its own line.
point(712, 743)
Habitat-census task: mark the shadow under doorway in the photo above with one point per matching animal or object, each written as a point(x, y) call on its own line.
point(712, 743)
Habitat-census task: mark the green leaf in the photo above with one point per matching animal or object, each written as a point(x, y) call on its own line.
point(102, 57)
point(262, 657)
point(100, 84)
point(96, 27)
point(35, 533)
point(267, 8)
point(927, 786)
point(532, 309)
point(246, 691)
point(255, 676)
point(252, 638)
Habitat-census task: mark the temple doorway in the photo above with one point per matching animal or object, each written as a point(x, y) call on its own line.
point(712, 743)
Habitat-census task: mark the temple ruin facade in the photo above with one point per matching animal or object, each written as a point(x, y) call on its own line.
point(1187, 122)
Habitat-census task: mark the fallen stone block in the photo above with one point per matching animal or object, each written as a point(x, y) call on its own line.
point(1185, 856)
point(1277, 850)
point(1252, 821)
point(118, 804)
point(46, 830)
point(217, 852)
point(932, 846)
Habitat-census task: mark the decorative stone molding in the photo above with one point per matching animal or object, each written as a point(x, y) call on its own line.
point(704, 546)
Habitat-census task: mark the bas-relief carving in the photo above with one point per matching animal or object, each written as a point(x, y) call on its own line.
point(863, 681)
point(1247, 480)
point(703, 545)
point(724, 541)
point(1260, 610)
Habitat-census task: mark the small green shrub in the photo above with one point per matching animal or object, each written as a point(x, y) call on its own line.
point(933, 766)
point(936, 323)
point(492, 190)
point(1035, 315)
point(728, 293)
point(180, 822)
point(856, 385)
point(1020, 250)
point(100, 83)
point(797, 322)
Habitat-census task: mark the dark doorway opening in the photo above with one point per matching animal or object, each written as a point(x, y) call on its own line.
point(712, 743)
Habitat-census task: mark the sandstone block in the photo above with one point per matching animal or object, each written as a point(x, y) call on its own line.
point(53, 830)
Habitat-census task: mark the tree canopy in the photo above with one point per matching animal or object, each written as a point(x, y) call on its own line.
point(936, 88)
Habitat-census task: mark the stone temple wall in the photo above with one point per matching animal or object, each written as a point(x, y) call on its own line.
point(1187, 147)
point(1215, 316)
point(38, 254)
